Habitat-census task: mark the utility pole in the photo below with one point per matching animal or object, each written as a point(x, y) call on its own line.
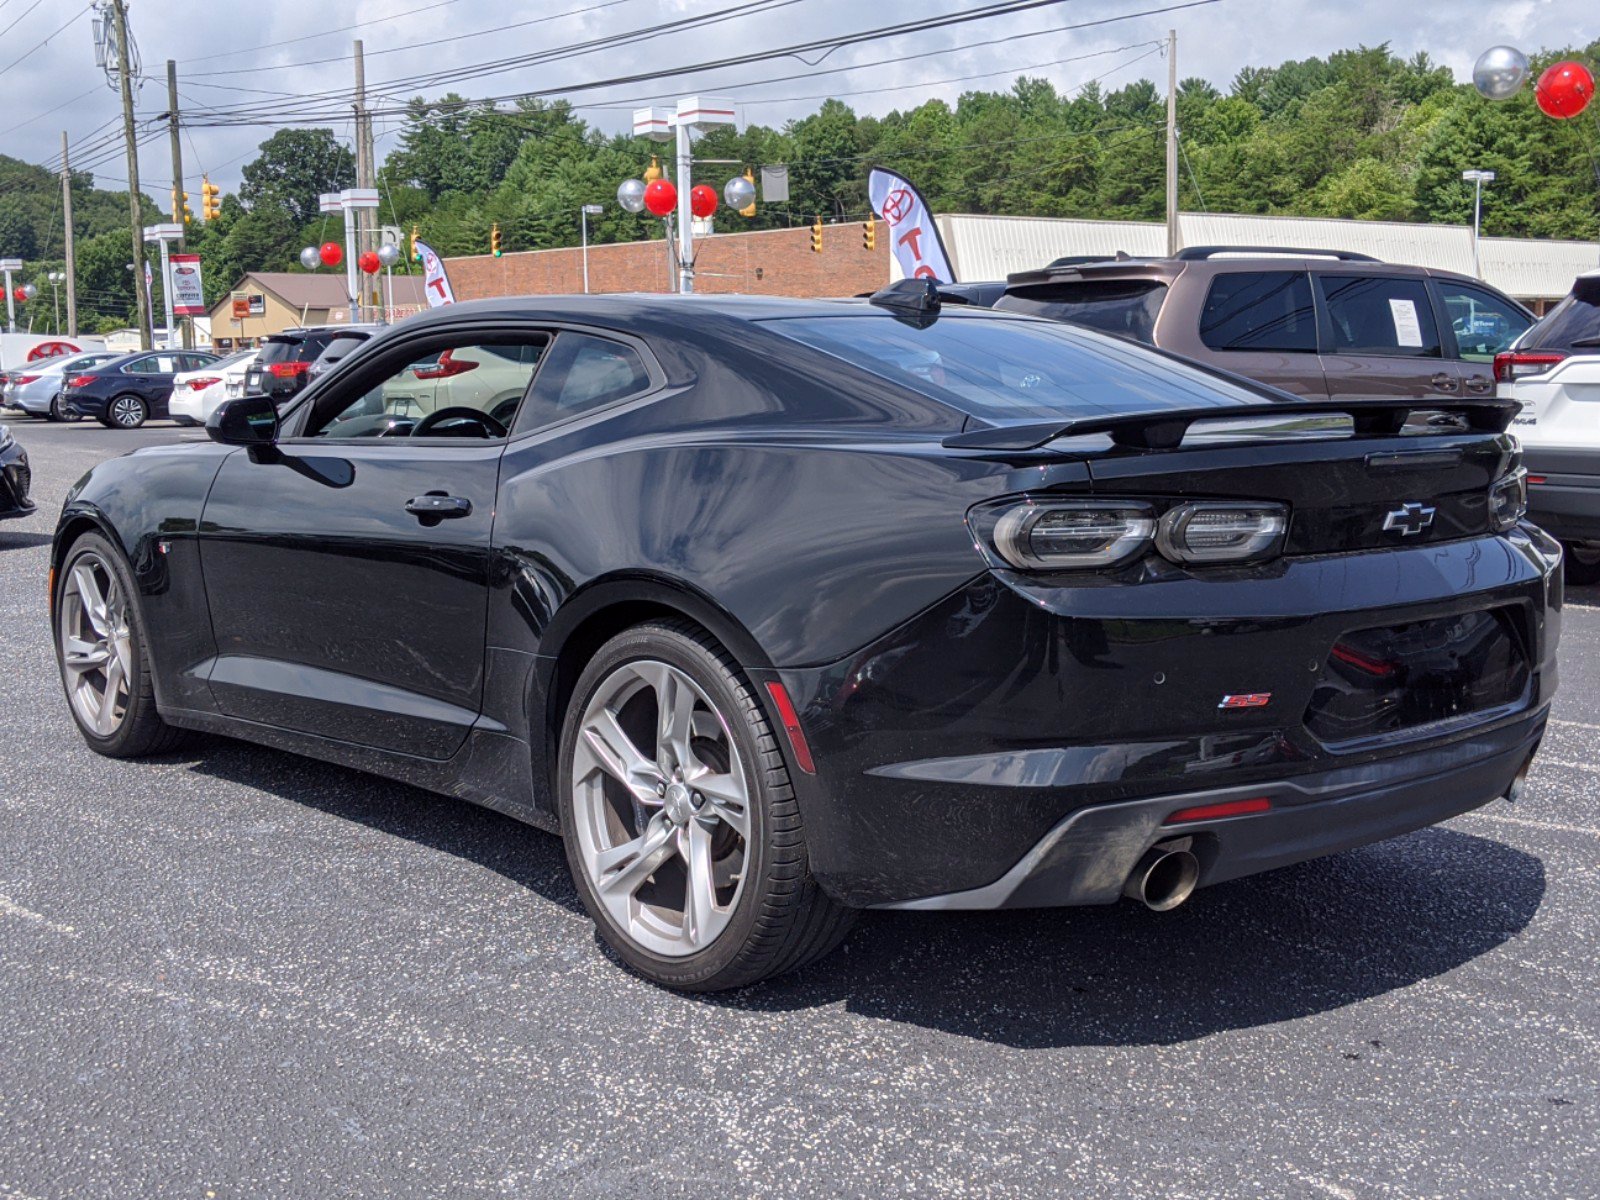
point(1172, 143)
point(179, 208)
point(363, 175)
point(72, 261)
point(119, 13)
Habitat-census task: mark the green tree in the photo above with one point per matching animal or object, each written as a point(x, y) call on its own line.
point(294, 168)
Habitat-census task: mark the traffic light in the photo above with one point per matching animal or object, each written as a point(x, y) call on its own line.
point(816, 236)
point(494, 239)
point(180, 207)
point(869, 232)
point(415, 232)
point(210, 200)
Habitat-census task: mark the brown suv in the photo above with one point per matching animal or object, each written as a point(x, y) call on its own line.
point(1318, 323)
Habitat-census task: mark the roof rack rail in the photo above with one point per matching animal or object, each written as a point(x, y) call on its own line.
point(1194, 253)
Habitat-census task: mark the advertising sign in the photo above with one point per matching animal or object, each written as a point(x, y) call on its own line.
point(917, 245)
point(435, 283)
point(188, 296)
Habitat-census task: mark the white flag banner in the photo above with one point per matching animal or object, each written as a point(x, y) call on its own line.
point(188, 293)
point(914, 237)
point(434, 281)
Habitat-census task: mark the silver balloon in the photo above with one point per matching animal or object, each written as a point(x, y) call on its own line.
point(1500, 72)
point(29, 291)
point(739, 192)
point(388, 254)
point(310, 258)
point(631, 195)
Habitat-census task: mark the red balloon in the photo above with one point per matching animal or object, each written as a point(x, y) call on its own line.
point(20, 296)
point(1564, 90)
point(661, 197)
point(702, 200)
point(370, 262)
point(332, 254)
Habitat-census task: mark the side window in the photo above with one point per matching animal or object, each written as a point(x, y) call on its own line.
point(582, 372)
point(1380, 315)
point(1483, 324)
point(1260, 310)
point(472, 390)
point(140, 366)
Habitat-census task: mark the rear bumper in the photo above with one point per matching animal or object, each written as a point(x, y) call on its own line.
point(953, 749)
point(1088, 856)
point(79, 405)
point(1567, 504)
point(15, 482)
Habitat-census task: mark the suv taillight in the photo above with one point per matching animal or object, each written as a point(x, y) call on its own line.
point(80, 381)
point(288, 370)
point(445, 368)
point(1514, 364)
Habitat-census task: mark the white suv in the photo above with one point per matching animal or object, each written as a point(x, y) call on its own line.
point(1554, 371)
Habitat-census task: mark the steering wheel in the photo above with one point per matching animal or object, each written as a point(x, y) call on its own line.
point(461, 416)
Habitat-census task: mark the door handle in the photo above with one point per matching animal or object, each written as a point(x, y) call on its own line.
point(1479, 383)
point(1444, 382)
point(437, 506)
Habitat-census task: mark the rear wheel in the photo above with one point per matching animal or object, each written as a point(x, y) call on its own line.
point(128, 412)
point(682, 830)
point(57, 413)
point(100, 648)
point(1582, 562)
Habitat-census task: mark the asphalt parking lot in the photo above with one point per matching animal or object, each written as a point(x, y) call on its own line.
point(236, 973)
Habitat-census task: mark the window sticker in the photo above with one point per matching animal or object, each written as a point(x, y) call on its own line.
point(1407, 326)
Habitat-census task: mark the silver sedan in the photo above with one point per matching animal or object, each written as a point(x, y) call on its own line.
point(37, 389)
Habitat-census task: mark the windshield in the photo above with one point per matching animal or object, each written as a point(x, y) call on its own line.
point(1574, 324)
point(1014, 370)
point(77, 361)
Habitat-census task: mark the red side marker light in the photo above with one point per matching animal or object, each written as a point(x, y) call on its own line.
point(1213, 812)
point(1247, 700)
point(791, 726)
point(1537, 479)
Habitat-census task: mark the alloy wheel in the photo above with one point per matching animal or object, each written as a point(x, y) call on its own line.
point(96, 645)
point(661, 808)
point(128, 412)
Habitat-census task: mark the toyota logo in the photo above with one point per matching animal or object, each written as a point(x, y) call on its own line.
point(897, 206)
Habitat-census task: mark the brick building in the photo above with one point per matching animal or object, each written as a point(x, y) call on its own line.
point(772, 262)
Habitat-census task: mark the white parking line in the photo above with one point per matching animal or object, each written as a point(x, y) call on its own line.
point(10, 908)
point(1541, 761)
point(1573, 724)
point(1550, 825)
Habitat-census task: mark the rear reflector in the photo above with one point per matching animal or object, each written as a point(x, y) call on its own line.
point(1213, 812)
point(791, 726)
point(1537, 479)
point(1514, 364)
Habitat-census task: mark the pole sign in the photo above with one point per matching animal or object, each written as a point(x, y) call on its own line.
point(434, 280)
point(914, 237)
point(188, 294)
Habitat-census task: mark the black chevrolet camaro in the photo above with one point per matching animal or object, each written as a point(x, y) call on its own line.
point(777, 610)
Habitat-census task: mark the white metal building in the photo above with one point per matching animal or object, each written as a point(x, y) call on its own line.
point(1536, 272)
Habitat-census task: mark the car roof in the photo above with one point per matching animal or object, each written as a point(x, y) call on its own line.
point(1168, 269)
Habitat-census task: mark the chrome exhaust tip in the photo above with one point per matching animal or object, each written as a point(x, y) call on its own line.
point(1164, 878)
point(1519, 785)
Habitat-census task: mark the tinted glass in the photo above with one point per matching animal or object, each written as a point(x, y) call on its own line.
point(481, 386)
point(341, 345)
point(583, 373)
point(276, 350)
point(1484, 324)
point(1574, 324)
point(1372, 314)
point(1260, 310)
point(1127, 307)
point(1009, 370)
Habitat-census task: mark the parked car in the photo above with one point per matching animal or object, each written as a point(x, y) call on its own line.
point(19, 351)
point(338, 347)
point(36, 390)
point(131, 389)
point(283, 362)
point(1321, 324)
point(15, 478)
point(1554, 373)
point(779, 609)
point(197, 394)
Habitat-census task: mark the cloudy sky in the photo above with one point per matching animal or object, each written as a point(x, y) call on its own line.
point(270, 54)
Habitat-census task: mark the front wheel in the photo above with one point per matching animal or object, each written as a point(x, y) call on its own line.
point(100, 649)
point(129, 412)
point(682, 830)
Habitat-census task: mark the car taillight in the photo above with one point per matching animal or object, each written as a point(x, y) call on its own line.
point(445, 368)
point(1508, 500)
point(80, 381)
point(1069, 534)
point(288, 370)
point(200, 385)
point(1514, 364)
point(1222, 531)
point(22, 379)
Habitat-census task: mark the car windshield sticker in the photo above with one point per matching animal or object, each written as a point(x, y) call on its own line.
point(1407, 328)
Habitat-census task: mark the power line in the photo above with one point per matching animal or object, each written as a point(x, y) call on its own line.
point(46, 38)
point(309, 37)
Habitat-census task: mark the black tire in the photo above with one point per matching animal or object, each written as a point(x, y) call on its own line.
point(55, 413)
point(135, 406)
point(1579, 572)
point(782, 919)
point(142, 731)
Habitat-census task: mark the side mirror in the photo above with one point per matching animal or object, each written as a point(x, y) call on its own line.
point(250, 421)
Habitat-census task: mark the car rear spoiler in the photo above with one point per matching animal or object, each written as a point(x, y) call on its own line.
point(1166, 430)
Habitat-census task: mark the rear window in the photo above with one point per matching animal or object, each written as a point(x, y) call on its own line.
point(1008, 370)
point(294, 349)
point(1260, 310)
point(342, 345)
point(1126, 307)
point(1574, 324)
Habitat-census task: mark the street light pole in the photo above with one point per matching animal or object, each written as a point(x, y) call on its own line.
point(9, 267)
point(584, 213)
point(693, 112)
point(1477, 179)
point(56, 278)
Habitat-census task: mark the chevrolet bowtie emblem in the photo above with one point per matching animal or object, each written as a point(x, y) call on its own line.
point(1408, 519)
